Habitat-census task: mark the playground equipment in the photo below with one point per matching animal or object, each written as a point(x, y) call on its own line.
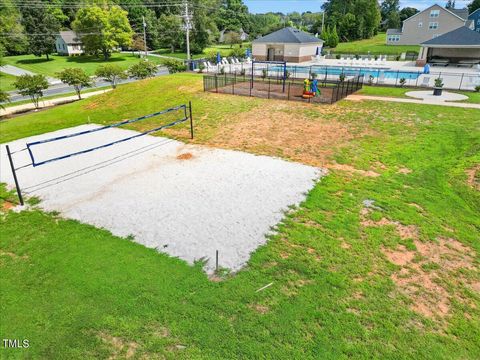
point(310, 88)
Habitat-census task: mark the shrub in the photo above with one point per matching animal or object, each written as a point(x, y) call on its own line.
point(264, 73)
point(211, 55)
point(143, 69)
point(201, 67)
point(370, 79)
point(32, 86)
point(174, 66)
point(288, 74)
point(111, 73)
point(242, 72)
point(313, 75)
point(477, 88)
point(403, 81)
point(4, 97)
point(439, 82)
point(338, 56)
point(341, 77)
point(237, 51)
point(222, 70)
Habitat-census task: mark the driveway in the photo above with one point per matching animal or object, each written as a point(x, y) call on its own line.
point(16, 71)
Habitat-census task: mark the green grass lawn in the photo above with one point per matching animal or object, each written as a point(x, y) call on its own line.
point(6, 81)
point(224, 50)
point(77, 292)
point(473, 97)
point(376, 45)
point(41, 65)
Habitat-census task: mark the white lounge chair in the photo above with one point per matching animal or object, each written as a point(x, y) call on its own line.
point(425, 81)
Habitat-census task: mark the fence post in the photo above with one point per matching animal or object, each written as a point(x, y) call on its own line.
point(461, 81)
point(17, 186)
point(416, 82)
point(288, 91)
point(191, 119)
point(396, 79)
point(216, 83)
point(269, 80)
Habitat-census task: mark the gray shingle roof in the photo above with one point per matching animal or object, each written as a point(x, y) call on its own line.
point(394, 31)
point(463, 13)
point(70, 37)
point(462, 36)
point(288, 35)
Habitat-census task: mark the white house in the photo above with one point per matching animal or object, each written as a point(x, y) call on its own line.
point(68, 43)
point(287, 44)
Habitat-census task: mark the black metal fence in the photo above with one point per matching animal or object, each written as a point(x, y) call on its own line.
point(380, 76)
point(273, 87)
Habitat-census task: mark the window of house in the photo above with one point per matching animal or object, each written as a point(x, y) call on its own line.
point(433, 25)
point(420, 24)
point(434, 13)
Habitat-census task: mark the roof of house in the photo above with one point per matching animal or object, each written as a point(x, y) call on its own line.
point(70, 37)
point(471, 15)
point(462, 36)
point(288, 35)
point(394, 31)
point(463, 13)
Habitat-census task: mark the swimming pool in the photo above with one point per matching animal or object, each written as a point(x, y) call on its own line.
point(349, 71)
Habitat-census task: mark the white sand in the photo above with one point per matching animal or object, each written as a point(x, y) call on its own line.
point(217, 200)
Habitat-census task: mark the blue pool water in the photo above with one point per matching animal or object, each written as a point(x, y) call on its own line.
point(349, 71)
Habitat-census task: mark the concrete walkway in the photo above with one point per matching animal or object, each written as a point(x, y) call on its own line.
point(46, 103)
point(354, 97)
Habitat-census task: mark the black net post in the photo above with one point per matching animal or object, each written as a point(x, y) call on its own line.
point(191, 119)
point(17, 186)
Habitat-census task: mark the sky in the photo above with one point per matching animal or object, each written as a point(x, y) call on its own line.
point(286, 6)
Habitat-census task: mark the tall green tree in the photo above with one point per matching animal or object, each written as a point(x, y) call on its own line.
point(170, 32)
point(41, 27)
point(474, 5)
point(450, 4)
point(13, 40)
point(103, 29)
point(366, 12)
point(232, 15)
point(407, 12)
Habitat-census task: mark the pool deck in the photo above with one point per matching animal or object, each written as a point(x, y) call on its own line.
point(453, 77)
point(392, 65)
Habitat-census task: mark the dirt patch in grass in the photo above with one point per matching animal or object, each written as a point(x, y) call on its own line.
point(404, 170)
point(120, 349)
point(261, 309)
point(351, 169)
point(285, 129)
point(13, 255)
point(185, 156)
point(426, 272)
point(473, 177)
point(404, 231)
point(7, 205)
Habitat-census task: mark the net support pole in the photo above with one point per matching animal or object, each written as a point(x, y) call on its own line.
point(191, 119)
point(19, 191)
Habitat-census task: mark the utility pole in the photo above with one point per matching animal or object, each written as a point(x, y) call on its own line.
point(144, 36)
point(323, 19)
point(188, 25)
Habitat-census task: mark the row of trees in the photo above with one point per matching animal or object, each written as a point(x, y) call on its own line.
point(34, 85)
